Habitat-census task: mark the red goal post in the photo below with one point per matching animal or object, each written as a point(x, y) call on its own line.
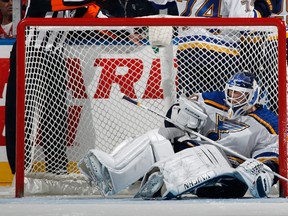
point(93, 68)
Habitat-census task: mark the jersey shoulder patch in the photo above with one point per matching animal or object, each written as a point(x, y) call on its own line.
point(215, 99)
point(267, 118)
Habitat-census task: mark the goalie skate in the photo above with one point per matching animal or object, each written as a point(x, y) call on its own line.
point(151, 187)
point(97, 173)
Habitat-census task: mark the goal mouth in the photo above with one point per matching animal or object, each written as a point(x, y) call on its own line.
point(70, 75)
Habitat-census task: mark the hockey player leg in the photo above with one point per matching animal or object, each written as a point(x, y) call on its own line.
point(126, 164)
point(10, 114)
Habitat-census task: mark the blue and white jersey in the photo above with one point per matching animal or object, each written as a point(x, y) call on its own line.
point(213, 8)
point(254, 135)
point(216, 40)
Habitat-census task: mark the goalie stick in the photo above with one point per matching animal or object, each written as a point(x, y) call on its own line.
point(123, 96)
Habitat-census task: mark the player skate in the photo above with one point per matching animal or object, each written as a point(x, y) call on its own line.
point(96, 172)
point(152, 187)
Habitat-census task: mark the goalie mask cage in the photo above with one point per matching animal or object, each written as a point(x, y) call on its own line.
point(70, 74)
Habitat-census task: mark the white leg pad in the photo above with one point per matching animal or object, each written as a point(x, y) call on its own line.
point(162, 149)
point(161, 146)
point(129, 161)
point(185, 171)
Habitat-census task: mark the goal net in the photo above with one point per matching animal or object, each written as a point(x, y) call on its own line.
point(71, 74)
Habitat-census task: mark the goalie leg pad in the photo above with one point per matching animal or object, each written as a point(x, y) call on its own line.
point(187, 170)
point(121, 169)
point(127, 164)
point(162, 148)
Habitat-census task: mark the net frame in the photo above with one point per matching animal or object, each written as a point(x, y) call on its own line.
point(151, 22)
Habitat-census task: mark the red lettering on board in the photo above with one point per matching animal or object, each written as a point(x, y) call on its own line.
point(109, 76)
point(153, 89)
point(2, 124)
point(4, 68)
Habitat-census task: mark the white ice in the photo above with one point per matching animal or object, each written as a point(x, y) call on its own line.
point(127, 206)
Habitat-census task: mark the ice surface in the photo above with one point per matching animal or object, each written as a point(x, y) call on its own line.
point(127, 206)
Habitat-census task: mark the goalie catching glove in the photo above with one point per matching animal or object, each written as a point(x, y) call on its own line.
point(253, 173)
point(189, 114)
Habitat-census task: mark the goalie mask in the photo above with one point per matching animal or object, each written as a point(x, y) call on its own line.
point(241, 93)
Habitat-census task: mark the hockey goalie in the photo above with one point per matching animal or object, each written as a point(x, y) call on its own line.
point(171, 162)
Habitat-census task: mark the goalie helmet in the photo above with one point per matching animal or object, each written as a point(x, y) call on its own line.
point(241, 93)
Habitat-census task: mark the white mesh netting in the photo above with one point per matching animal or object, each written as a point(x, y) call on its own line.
point(74, 76)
